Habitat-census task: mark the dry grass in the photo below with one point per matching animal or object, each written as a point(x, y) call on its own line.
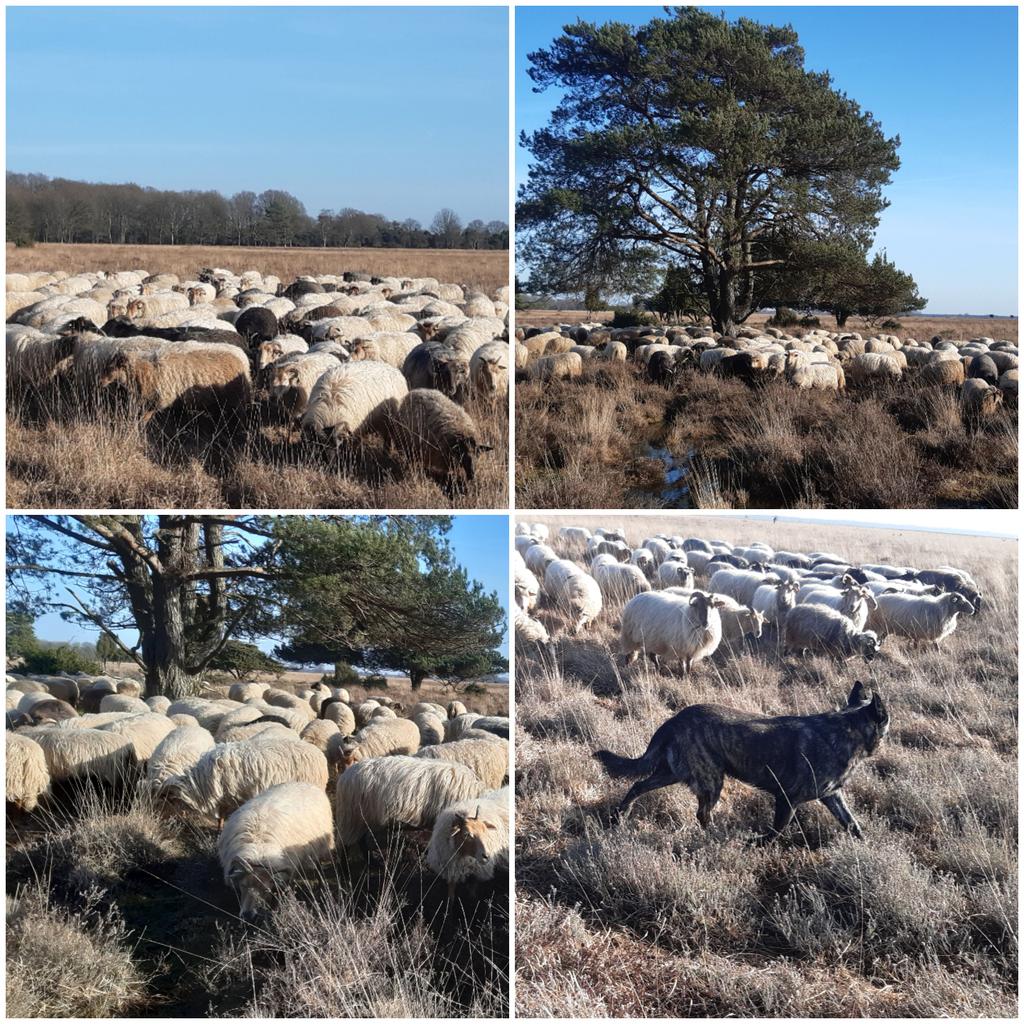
point(61, 456)
point(918, 920)
point(483, 269)
point(121, 910)
point(956, 328)
point(585, 443)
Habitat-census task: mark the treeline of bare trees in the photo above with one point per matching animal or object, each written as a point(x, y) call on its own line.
point(42, 209)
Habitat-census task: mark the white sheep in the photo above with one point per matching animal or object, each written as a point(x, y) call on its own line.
point(773, 600)
point(176, 753)
point(86, 753)
point(674, 572)
point(528, 630)
point(919, 617)
point(381, 738)
point(386, 791)
point(619, 582)
point(739, 584)
point(319, 732)
point(470, 839)
point(853, 600)
point(227, 776)
point(488, 759)
point(527, 588)
point(353, 399)
point(573, 591)
point(336, 710)
point(272, 837)
point(293, 378)
point(28, 777)
point(488, 370)
point(145, 732)
point(431, 727)
point(672, 626)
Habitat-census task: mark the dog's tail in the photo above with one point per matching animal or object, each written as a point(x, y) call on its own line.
point(617, 766)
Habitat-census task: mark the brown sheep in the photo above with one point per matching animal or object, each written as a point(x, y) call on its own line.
point(439, 435)
point(947, 373)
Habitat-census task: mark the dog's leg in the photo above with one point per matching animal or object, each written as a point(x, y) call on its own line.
point(655, 781)
point(837, 804)
point(707, 797)
point(784, 812)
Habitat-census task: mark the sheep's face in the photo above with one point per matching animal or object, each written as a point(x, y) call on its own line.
point(960, 605)
point(753, 625)
point(361, 349)
point(256, 885)
point(116, 371)
point(869, 645)
point(469, 836)
point(269, 351)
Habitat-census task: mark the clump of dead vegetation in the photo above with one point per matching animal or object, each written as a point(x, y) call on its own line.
point(600, 440)
point(919, 919)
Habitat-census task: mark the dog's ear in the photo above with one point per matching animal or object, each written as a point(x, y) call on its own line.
point(879, 712)
point(858, 695)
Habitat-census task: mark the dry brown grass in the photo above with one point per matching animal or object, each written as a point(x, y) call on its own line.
point(956, 328)
point(61, 456)
point(654, 917)
point(585, 443)
point(485, 269)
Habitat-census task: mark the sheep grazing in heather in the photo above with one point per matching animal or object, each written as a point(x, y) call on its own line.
point(431, 727)
point(739, 623)
point(293, 377)
point(470, 839)
point(573, 591)
point(676, 627)
point(619, 582)
point(227, 776)
point(559, 366)
point(487, 758)
point(144, 732)
point(675, 573)
point(257, 325)
point(773, 600)
point(817, 628)
point(354, 399)
point(380, 738)
point(388, 791)
point(176, 753)
point(979, 401)
point(488, 370)
point(739, 584)
point(86, 754)
point(919, 617)
point(393, 348)
point(439, 436)
point(28, 776)
point(527, 587)
point(336, 710)
point(272, 351)
point(208, 378)
point(529, 630)
point(432, 365)
point(272, 837)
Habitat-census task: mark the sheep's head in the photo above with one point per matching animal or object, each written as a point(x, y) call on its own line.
point(117, 370)
point(959, 604)
point(869, 644)
point(269, 351)
point(753, 622)
point(469, 835)
point(256, 885)
point(364, 348)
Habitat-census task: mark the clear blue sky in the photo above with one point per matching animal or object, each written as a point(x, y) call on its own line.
point(480, 544)
point(398, 111)
point(942, 78)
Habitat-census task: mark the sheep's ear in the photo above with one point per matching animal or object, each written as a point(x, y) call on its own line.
point(698, 598)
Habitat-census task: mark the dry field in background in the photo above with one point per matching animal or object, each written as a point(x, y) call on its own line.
point(609, 439)
point(923, 328)
point(484, 269)
point(116, 909)
point(654, 918)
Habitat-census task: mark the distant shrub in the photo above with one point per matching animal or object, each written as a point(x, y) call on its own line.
point(23, 242)
point(809, 321)
point(891, 325)
point(344, 675)
point(475, 689)
point(375, 682)
point(632, 318)
point(52, 661)
point(784, 317)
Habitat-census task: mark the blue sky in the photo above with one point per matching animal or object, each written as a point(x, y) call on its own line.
point(398, 111)
point(942, 78)
point(480, 544)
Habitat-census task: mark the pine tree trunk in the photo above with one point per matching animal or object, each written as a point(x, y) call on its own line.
point(165, 652)
point(416, 677)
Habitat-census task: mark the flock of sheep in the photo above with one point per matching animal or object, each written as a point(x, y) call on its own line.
point(257, 765)
point(815, 602)
point(341, 356)
point(984, 372)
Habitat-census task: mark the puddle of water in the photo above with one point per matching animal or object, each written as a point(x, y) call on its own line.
point(676, 493)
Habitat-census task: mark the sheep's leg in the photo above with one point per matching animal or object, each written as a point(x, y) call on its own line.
point(836, 803)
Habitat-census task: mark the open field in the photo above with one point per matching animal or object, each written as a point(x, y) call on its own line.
point(654, 917)
point(483, 269)
point(167, 391)
point(118, 907)
point(960, 328)
point(614, 438)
